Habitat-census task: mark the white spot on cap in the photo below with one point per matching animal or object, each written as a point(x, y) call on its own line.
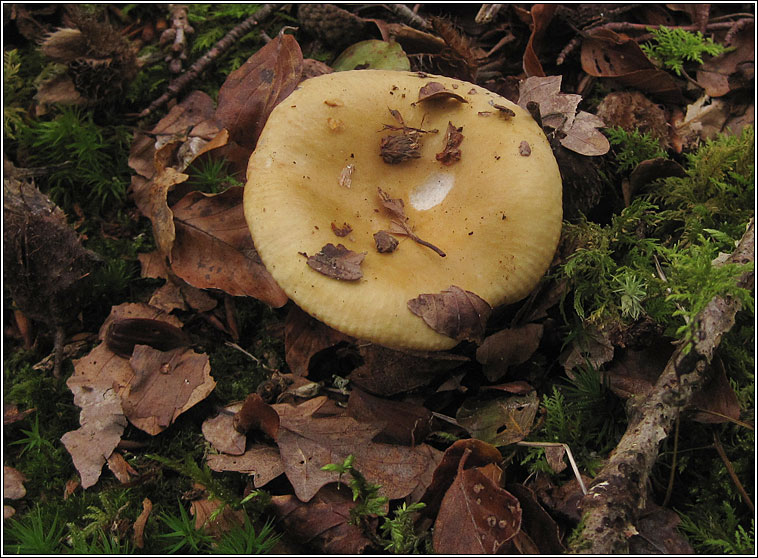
point(432, 191)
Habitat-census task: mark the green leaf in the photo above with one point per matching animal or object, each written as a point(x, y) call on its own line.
point(372, 55)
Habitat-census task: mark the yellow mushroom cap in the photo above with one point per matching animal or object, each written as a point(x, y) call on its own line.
point(496, 212)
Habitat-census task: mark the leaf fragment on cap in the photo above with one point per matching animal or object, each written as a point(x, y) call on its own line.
point(385, 242)
point(337, 262)
point(454, 312)
point(451, 152)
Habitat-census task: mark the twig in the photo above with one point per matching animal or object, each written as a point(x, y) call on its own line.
point(732, 473)
point(177, 85)
point(255, 359)
point(618, 493)
point(59, 343)
point(672, 474)
point(409, 16)
point(570, 456)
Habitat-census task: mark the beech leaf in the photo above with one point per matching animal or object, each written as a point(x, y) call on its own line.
point(214, 250)
point(454, 312)
point(251, 92)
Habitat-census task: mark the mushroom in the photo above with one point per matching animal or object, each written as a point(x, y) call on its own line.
point(493, 209)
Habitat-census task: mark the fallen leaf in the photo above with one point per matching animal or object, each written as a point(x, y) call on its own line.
point(152, 203)
point(454, 312)
point(263, 462)
point(541, 16)
point(307, 443)
point(342, 231)
point(401, 422)
point(372, 55)
point(607, 54)
point(214, 249)
point(251, 92)
point(721, 74)
point(215, 518)
point(557, 110)
point(501, 421)
point(337, 262)
point(140, 522)
point(635, 371)
point(659, 533)
point(13, 483)
point(385, 371)
point(716, 402)
point(451, 151)
point(540, 526)
point(476, 515)
point(324, 521)
point(256, 414)
point(102, 417)
point(219, 431)
point(594, 350)
point(508, 347)
point(120, 467)
point(165, 384)
point(475, 452)
point(131, 310)
point(305, 336)
point(434, 90)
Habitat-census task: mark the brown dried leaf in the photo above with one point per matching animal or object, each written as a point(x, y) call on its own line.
point(256, 414)
point(152, 202)
point(96, 383)
point(165, 384)
point(451, 151)
point(541, 16)
point(434, 90)
point(252, 91)
point(305, 336)
point(476, 515)
point(120, 468)
point(401, 422)
point(214, 249)
point(70, 488)
point(337, 262)
point(508, 347)
point(129, 310)
point(499, 421)
point(454, 312)
point(716, 402)
point(221, 434)
point(140, 522)
point(307, 443)
point(13, 483)
point(540, 526)
point(324, 521)
point(524, 149)
point(731, 70)
point(215, 522)
point(607, 54)
point(659, 533)
point(398, 148)
point(264, 462)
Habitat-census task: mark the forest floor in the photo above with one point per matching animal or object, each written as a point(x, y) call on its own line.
point(163, 394)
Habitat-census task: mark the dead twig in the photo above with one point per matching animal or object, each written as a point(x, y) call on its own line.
point(410, 17)
point(176, 86)
point(732, 473)
point(619, 492)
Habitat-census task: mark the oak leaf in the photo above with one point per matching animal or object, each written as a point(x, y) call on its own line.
point(13, 483)
point(263, 462)
point(305, 336)
point(219, 431)
point(508, 347)
point(435, 90)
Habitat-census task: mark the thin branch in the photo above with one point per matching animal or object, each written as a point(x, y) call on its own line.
point(411, 17)
point(178, 85)
point(732, 473)
point(618, 494)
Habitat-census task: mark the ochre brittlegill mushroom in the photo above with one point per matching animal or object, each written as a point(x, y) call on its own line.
point(369, 188)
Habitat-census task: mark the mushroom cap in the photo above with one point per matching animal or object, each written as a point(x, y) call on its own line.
point(496, 212)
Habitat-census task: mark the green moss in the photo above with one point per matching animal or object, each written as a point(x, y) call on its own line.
point(673, 48)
